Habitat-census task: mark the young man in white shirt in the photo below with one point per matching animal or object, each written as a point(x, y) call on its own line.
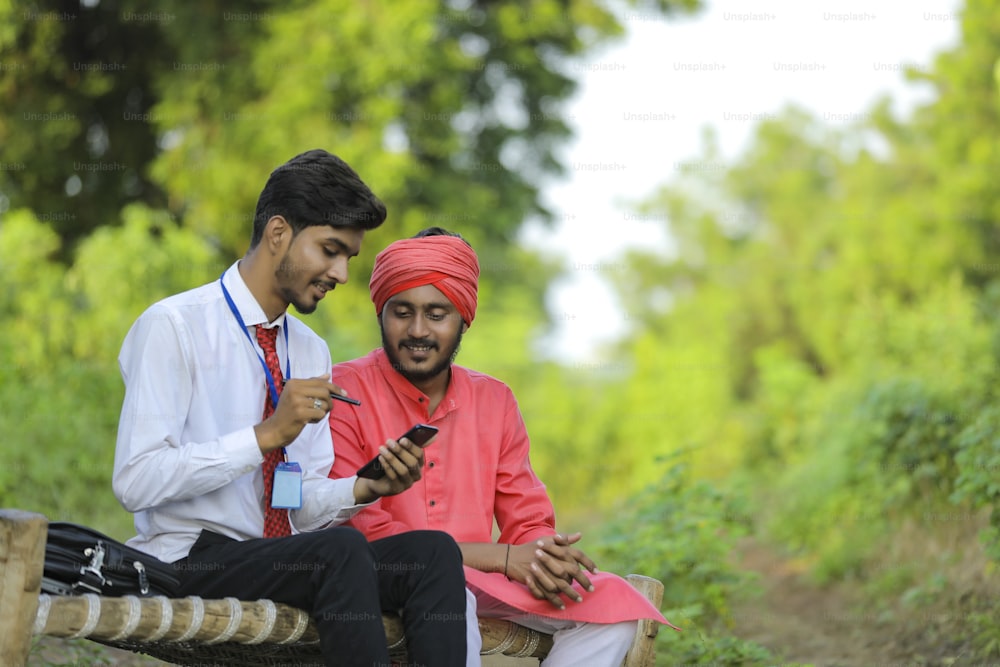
point(224, 445)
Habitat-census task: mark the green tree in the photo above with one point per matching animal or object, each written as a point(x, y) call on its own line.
point(136, 140)
point(825, 330)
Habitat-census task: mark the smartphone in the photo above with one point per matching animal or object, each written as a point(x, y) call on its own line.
point(418, 435)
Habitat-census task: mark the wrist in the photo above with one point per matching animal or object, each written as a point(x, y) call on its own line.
point(363, 492)
point(267, 439)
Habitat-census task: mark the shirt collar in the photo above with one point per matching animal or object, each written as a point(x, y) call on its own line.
point(456, 387)
point(250, 310)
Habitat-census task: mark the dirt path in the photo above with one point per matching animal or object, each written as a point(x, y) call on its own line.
point(829, 626)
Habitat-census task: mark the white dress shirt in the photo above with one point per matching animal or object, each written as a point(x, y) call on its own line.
point(187, 457)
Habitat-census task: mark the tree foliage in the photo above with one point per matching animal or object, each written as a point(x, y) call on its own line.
point(136, 140)
point(822, 342)
point(825, 330)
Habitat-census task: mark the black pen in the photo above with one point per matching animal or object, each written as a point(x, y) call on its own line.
point(338, 397)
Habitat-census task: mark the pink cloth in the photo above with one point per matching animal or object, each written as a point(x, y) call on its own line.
point(447, 262)
point(475, 470)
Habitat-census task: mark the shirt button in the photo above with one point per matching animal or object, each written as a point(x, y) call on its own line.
point(431, 464)
point(433, 503)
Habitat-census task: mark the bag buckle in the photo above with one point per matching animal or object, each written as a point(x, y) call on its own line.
point(96, 554)
point(143, 579)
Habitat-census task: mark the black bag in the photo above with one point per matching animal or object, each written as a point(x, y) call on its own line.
point(81, 560)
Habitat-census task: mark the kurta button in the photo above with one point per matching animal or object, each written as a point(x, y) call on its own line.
point(433, 503)
point(431, 464)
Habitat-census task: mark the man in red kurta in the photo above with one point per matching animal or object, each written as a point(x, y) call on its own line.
point(477, 469)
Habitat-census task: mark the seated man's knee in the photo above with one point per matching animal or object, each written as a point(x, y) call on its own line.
point(334, 544)
point(439, 547)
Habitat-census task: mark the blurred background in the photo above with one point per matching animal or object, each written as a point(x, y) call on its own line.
point(739, 267)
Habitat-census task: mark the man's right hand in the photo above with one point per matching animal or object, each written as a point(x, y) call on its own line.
point(302, 402)
point(403, 463)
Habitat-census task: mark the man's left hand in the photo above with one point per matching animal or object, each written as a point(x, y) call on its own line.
point(558, 563)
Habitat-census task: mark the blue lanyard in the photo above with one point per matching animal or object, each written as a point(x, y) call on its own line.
point(243, 327)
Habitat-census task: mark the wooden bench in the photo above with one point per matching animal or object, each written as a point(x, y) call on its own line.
point(193, 631)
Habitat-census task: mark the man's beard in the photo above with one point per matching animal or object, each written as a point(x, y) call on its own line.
point(420, 376)
point(286, 276)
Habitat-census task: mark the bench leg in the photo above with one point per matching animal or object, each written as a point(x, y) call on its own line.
point(642, 653)
point(22, 560)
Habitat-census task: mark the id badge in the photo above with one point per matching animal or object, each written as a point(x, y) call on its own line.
point(287, 492)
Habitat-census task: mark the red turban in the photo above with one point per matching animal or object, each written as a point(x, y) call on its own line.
point(446, 262)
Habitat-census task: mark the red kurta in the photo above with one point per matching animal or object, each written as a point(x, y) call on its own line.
point(475, 470)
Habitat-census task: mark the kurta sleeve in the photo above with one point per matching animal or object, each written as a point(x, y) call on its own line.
point(523, 509)
point(352, 452)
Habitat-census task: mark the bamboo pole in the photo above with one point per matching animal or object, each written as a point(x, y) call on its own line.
point(24, 612)
point(230, 620)
point(22, 558)
point(507, 638)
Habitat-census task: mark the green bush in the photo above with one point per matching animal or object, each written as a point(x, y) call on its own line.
point(978, 462)
point(684, 531)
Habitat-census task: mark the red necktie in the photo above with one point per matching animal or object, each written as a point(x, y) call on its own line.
point(275, 520)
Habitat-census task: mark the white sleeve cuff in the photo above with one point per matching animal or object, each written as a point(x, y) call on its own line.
point(325, 503)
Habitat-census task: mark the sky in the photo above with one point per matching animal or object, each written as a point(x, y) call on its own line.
point(643, 103)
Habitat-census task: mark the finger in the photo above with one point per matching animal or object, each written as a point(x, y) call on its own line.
point(410, 454)
point(566, 564)
point(392, 462)
point(563, 554)
point(553, 547)
point(332, 388)
point(408, 467)
point(319, 385)
point(583, 579)
point(579, 558)
point(562, 573)
point(546, 580)
point(584, 560)
point(407, 452)
point(550, 591)
point(537, 592)
point(306, 395)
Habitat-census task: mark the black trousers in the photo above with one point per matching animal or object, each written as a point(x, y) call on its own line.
point(345, 582)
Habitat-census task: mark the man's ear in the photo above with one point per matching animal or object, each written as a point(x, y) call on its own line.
point(277, 232)
point(465, 326)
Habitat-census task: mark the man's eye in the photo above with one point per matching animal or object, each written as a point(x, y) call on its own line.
point(435, 316)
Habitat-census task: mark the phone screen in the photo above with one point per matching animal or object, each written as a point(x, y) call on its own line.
point(418, 435)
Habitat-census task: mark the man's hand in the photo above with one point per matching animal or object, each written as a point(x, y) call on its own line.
point(302, 402)
point(549, 566)
point(403, 463)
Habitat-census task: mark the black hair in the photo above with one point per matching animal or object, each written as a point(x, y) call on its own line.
point(317, 188)
point(439, 231)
